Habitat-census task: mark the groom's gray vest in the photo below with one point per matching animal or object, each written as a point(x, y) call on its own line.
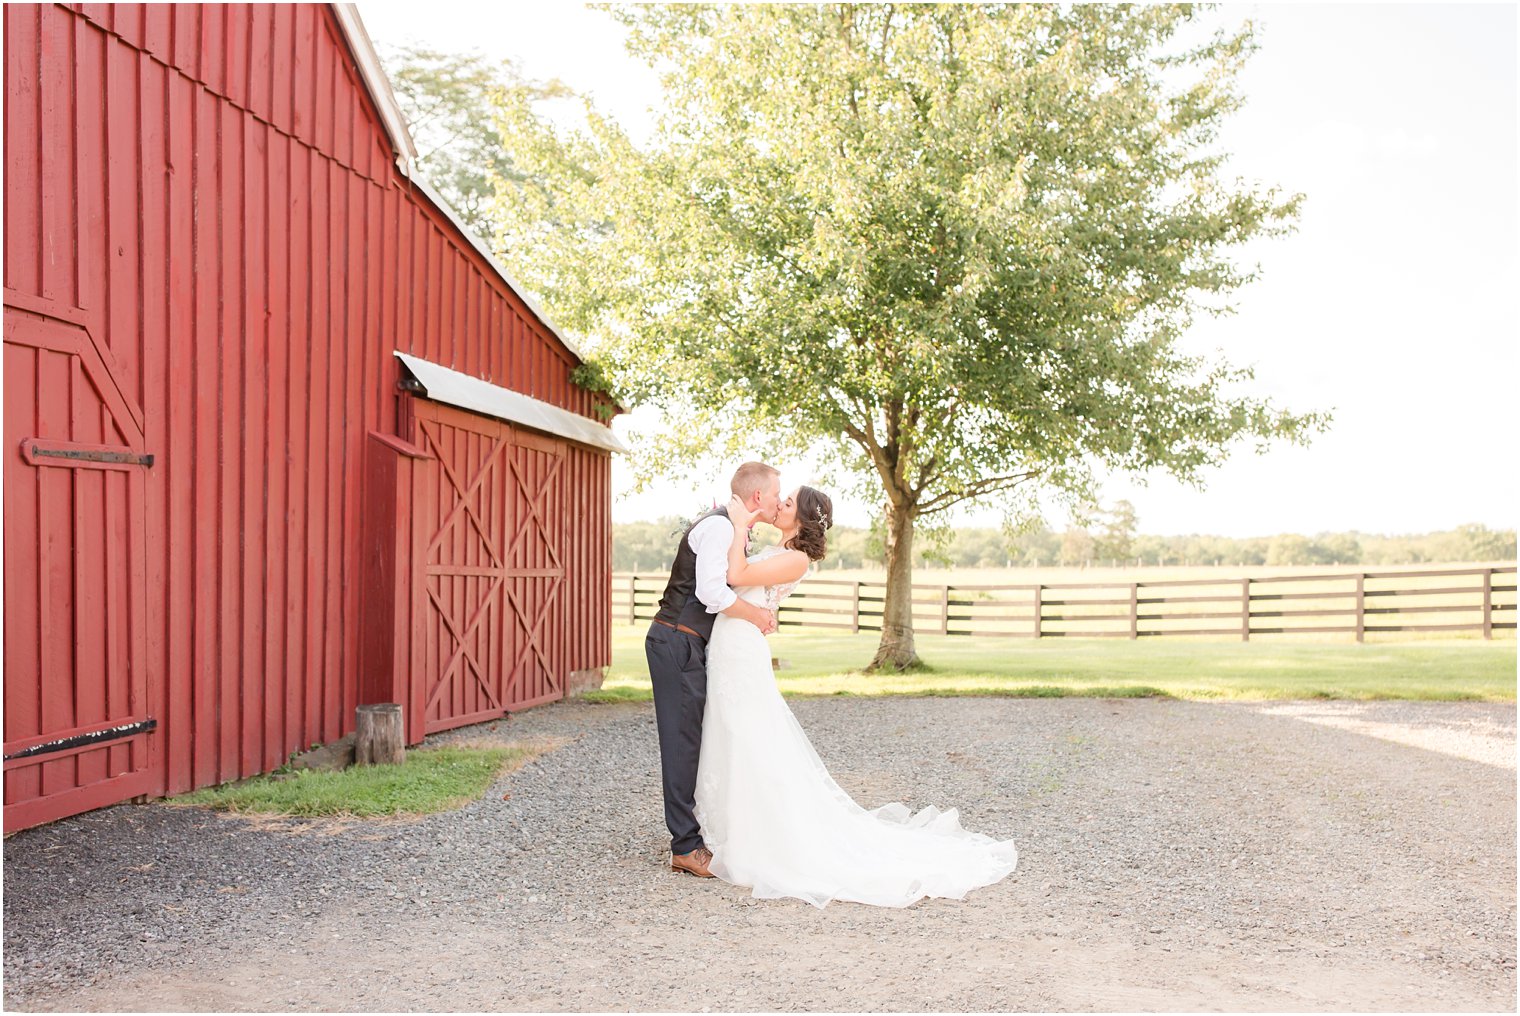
point(680, 605)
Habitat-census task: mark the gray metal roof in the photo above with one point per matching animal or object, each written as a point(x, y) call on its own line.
point(457, 389)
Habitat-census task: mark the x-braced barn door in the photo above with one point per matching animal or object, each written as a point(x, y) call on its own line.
point(491, 640)
point(78, 723)
point(535, 572)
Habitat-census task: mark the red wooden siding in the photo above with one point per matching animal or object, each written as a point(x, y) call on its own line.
point(482, 547)
point(205, 192)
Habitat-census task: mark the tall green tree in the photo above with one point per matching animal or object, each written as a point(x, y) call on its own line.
point(954, 246)
point(447, 99)
point(1116, 542)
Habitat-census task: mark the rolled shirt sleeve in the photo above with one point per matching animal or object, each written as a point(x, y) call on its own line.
point(710, 539)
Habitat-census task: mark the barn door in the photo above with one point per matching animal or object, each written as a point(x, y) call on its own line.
point(461, 590)
point(77, 717)
point(535, 572)
point(486, 618)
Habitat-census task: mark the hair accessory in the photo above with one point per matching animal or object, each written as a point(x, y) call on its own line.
point(826, 523)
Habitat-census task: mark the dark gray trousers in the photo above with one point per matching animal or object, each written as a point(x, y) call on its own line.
point(678, 671)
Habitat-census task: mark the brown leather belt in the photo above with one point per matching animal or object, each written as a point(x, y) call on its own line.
point(681, 628)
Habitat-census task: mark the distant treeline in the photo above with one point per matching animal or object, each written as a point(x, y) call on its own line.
point(649, 546)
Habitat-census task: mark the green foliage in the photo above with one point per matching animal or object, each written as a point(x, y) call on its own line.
point(951, 247)
point(445, 98)
point(1116, 541)
point(649, 546)
point(430, 780)
point(954, 244)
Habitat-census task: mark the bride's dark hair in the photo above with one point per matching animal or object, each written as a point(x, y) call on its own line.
point(815, 515)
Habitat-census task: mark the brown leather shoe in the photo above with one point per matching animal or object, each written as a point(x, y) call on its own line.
point(695, 862)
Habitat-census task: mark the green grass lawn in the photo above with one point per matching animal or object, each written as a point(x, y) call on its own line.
point(429, 780)
point(828, 664)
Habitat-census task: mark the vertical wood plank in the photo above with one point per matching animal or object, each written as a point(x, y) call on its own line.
point(261, 63)
point(1488, 603)
point(231, 339)
point(205, 347)
point(125, 210)
point(253, 225)
point(1245, 610)
point(319, 80)
point(23, 559)
point(118, 566)
point(23, 136)
point(186, 55)
point(158, 31)
point(278, 735)
point(359, 352)
point(1361, 608)
point(347, 265)
point(56, 138)
point(212, 47)
point(91, 623)
point(179, 454)
point(342, 97)
point(153, 300)
point(298, 359)
point(317, 394)
point(290, 49)
point(237, 42)
point(89, 141)
point(56, 595)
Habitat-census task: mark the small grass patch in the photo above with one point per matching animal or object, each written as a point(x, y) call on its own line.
point(430, 780)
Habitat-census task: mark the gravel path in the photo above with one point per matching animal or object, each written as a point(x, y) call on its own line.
point(1173, 855)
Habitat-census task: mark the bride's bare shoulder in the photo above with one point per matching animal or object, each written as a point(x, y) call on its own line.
point(794, 560)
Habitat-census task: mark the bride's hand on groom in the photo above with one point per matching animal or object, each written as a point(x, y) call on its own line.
point(740, 516)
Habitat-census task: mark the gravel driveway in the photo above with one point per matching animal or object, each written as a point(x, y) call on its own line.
point(1173, 855)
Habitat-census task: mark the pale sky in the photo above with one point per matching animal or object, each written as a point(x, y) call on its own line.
point(1394, 304)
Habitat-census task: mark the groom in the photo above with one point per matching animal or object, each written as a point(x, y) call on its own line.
point(676, 647)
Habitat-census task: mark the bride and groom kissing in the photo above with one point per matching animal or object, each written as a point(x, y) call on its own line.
point(747, 799)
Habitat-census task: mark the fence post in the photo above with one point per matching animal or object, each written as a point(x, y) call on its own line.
point(1245, 610)
point(1361, 608)
point(1488, 603)
point(1039, 610)
point(855, 610)
point(1134, 610)
point(633, 599)
point(944, 610)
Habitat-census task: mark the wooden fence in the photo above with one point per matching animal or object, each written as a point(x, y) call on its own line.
point(1480, 599)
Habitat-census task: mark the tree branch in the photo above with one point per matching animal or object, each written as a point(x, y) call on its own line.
point(867, 439)
point(980, 487)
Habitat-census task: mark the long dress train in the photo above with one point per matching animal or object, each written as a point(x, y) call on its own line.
point(778, 823)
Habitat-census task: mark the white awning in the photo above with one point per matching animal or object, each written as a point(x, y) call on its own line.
point(450, 387)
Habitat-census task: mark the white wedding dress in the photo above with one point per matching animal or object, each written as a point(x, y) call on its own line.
point(777, 823)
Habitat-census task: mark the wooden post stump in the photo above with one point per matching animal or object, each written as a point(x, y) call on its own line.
point(379, 739)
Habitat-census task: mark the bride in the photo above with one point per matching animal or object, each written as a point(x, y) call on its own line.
point(774, 819)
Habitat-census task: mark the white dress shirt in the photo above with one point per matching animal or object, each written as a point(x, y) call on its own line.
point(711, 539)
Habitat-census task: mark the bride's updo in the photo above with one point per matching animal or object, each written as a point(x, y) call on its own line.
point(815, 515)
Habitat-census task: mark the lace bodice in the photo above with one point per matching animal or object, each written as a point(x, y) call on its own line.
point(769, 597)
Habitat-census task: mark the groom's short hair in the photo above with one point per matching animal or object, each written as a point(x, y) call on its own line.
point(750, 477)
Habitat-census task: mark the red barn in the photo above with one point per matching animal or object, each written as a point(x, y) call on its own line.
point(282, 437)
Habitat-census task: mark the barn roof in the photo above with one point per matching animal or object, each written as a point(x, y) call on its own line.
point(379, 87)
point(442, 384)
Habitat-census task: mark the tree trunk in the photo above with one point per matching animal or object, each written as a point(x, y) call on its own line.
point(896, 651)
